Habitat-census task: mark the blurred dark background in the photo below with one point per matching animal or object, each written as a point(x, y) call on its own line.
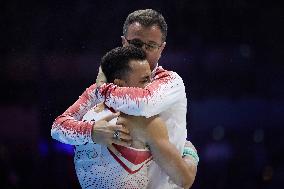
point(229, 53)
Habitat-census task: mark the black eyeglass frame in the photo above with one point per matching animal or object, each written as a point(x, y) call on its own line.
point(138, 43)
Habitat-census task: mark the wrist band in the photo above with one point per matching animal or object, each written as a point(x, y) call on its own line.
point(187, 151)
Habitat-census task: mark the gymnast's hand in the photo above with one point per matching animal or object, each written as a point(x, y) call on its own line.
point(101, 78)
point(105, 133)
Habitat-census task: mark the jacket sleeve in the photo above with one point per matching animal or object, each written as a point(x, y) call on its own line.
point(68, 127)
point(165, 90)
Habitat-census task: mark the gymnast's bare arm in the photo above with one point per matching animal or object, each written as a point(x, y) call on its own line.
point(154, 133)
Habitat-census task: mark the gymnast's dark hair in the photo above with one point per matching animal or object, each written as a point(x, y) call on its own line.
point(115, 63)
point(146, 18)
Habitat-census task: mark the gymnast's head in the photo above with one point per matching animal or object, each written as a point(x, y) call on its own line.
point(126, 67)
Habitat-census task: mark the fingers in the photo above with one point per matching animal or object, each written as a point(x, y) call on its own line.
point(101, 78)
point(125, 137)
point(100, 69)
point(123, 132)
point(121, 120)
point(111, 116)
point(121, 142)
point(119, 128)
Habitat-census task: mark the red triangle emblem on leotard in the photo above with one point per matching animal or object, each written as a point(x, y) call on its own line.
point(131, 159)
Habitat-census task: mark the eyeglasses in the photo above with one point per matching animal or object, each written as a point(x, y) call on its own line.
point(148, 46)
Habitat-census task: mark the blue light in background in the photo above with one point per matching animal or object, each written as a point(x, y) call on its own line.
point(63, 148)
point(43, 148)
point(59, 147)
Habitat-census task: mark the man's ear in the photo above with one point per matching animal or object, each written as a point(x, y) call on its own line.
point(162, 47)
point(123, 41)
point(119, 82)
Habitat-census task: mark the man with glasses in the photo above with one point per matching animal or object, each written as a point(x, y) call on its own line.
point(165, 95)
point(98, 165)
point(151, 47)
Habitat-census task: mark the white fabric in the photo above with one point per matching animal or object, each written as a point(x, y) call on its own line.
point(165, 96)
point(168, 99)
point(96, 168)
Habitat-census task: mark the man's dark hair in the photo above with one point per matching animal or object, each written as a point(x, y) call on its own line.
point(146, 18)
point(115, 63)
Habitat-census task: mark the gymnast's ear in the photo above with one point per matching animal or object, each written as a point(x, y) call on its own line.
point(119, 82)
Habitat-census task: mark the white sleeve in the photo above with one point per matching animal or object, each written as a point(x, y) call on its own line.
point(69, 128)
point(164, 91)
